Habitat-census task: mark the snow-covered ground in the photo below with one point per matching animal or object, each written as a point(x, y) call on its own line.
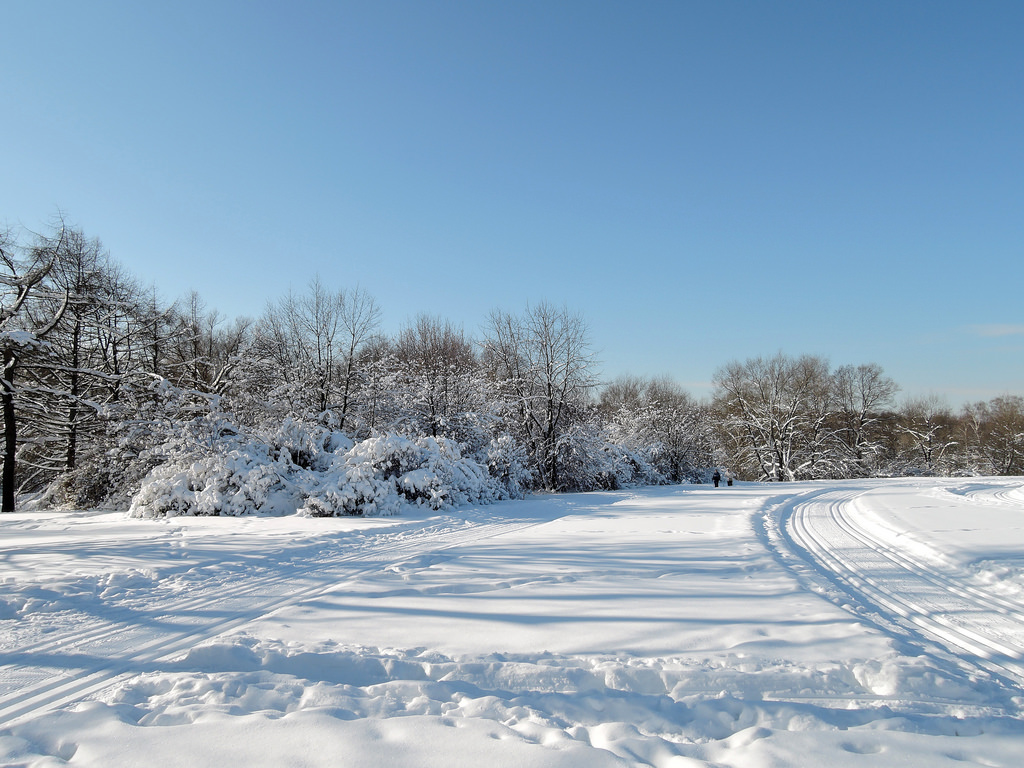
point(844, 624)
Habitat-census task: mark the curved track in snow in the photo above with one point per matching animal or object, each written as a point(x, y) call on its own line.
point(66, 666)
point(940, 605)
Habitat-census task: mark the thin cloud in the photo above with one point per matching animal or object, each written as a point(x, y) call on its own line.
point(998, 330)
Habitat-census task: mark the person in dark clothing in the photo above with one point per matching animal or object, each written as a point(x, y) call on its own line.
point(717, 478)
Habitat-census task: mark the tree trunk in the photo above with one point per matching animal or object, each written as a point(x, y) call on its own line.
point(10, 431)
point(72, 451)
point(349, 366)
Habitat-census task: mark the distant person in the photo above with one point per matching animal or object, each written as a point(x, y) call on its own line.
point(716, 478)
point(728, 479)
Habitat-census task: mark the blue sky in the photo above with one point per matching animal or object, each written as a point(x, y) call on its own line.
point(703, 181)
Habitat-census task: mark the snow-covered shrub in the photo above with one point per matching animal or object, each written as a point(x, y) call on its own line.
point(509, 465)
point(633, 466)
point(379, 475)
point(583, 461)
point(98, 482)
point(241, 481)
point(664, 436)
point(309, 446)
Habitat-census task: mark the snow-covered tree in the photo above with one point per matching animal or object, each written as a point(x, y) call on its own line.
point(863, 396)
point(18, 338)
point(445, 392)
point(91, 351)
point(658, 423)
point(997, 429)
point(202, 348)
point(360, 317)
point(545, 365)
point(313, 343)
point(926, 426)
point(776, 412)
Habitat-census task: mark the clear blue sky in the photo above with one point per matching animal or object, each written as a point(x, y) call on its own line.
point(703, 181)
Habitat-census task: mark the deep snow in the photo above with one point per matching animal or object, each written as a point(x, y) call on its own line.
point(845, 624)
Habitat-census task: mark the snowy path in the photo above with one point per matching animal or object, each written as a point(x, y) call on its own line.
point(936, 601)
point(85, 655)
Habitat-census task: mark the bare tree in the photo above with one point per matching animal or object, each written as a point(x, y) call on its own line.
point(545, 361)
point(192, 360)
point(626, 391)
point(440, 364)
point(155, 333)
point(926, 424)
point(359, 318)
point(775, 411)
point(998, 430)
point(863, 394)
point(659, 420)
point(121, 319)
point(313, 342)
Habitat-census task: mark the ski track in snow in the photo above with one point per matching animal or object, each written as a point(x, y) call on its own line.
point(89, 658)
point(947, 611)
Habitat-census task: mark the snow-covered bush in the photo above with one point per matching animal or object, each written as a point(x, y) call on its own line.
point(509, 465)
point(379, 475)
point(241, 481)
point(661, 435)
point(203, 463)
point(634, 466)
point(583, 461)
point(309, 446)
point(100, 481)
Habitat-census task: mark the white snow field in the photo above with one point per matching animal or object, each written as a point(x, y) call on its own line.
point(860, 623)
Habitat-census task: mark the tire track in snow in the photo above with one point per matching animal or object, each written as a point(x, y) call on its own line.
point(946, 609)
point(73, 665)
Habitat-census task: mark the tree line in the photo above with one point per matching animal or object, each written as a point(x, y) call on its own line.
point(106, 386)
point(795, 418)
